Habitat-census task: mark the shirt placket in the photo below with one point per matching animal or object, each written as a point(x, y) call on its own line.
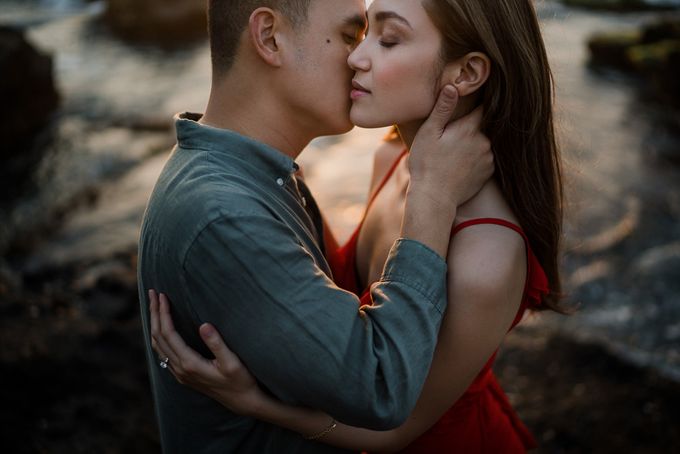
point(290, 184)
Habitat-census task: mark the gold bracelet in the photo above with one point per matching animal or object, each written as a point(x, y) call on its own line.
point(324, 432)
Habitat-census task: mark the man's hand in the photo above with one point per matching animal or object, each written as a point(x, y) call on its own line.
point(450, 161)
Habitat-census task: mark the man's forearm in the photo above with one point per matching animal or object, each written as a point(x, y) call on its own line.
point(280, 314)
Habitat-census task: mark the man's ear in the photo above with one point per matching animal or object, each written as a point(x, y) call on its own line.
point(468, 73)
point(264, 27)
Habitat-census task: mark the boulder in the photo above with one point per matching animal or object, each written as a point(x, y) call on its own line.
point(652, 52)
point(623, 5)
point(611, 48)
point(660, 64)
point(29, 98)
point(167, 23)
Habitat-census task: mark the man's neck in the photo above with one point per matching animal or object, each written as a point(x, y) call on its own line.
point(253, 115)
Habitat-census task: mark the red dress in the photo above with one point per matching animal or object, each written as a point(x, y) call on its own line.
point(482, 420)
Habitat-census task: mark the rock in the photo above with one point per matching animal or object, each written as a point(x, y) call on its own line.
point(611, 49)
point(660, 63)
point(661, 30)
point(652, 52)
point(167, 23)
point(29, 98)
point(623, 5)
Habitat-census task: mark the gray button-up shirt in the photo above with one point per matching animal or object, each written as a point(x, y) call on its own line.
point(227, 237)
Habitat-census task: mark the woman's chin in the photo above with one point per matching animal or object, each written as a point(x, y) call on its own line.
point(368, 122)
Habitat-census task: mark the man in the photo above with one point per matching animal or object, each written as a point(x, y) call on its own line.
point(229, 237)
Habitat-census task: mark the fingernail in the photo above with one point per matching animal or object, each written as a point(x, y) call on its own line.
point(208, 330)
point(450, 90)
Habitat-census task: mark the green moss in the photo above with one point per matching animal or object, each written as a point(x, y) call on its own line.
point(617, 5)
point(652, 56)
point(611, 48)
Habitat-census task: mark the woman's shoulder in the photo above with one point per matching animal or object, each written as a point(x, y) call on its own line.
point(493, 247)
point(489, 202)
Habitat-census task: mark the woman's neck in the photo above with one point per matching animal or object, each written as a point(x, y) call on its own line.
point(408, 132)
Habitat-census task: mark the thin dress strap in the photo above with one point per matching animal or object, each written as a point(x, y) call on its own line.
point(383, 182)
point(495, 221)
point(350, 246)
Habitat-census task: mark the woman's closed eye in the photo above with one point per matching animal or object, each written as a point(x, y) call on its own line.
point(388, 42)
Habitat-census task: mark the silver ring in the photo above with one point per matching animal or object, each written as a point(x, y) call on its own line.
point(164, 362)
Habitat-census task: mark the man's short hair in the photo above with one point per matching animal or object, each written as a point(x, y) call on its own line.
point(227, 19)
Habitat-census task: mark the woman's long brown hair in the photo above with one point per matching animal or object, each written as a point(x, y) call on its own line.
point(518, 114)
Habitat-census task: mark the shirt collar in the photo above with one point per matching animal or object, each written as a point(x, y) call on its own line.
point(191, 134)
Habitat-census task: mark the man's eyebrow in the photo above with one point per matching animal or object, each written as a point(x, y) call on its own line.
point(357, 21)
point(382, 16)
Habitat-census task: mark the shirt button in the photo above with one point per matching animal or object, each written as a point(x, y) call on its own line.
point(304, 202)
point(279, 181)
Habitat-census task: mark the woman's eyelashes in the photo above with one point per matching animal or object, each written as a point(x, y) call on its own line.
point(388, 41)
point(388, 37)
point(388, 44)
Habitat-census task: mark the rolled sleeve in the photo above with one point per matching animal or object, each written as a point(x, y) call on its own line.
point(419, 267)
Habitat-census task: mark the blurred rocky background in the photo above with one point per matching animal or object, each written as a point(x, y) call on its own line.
point(89, 89)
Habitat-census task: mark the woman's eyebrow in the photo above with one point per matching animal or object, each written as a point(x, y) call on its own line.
point(382, 16)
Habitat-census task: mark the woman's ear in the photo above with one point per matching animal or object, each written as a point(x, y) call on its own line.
point(264, 27)
point(469, 73)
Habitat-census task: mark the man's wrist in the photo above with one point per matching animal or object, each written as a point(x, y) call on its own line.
point(426, 223)
point(426, 199)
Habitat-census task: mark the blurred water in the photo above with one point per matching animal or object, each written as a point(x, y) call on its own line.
point(623, 234)
point(623, 259)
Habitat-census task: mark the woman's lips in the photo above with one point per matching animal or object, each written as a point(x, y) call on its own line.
point(358, 90)
point(356, 94)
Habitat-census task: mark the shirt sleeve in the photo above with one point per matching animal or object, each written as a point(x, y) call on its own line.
point(308, 341)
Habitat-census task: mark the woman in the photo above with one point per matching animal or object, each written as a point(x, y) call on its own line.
point(492, 52)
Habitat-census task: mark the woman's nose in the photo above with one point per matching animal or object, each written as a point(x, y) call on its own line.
point(357, 60)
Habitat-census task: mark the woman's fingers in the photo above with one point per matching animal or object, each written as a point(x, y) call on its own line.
point(232, 372)
point(226, 359)
point(153, 315)
point(154, 319)
point(187, 363)
point(166, 353)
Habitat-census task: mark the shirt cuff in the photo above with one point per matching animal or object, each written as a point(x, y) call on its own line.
point(416, 265)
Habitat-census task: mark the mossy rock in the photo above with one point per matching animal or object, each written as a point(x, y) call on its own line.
point(611, 49)
point(662, 30)
point(620, 5)
point(660, 64)
point(653, 52)
point(653, 57)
